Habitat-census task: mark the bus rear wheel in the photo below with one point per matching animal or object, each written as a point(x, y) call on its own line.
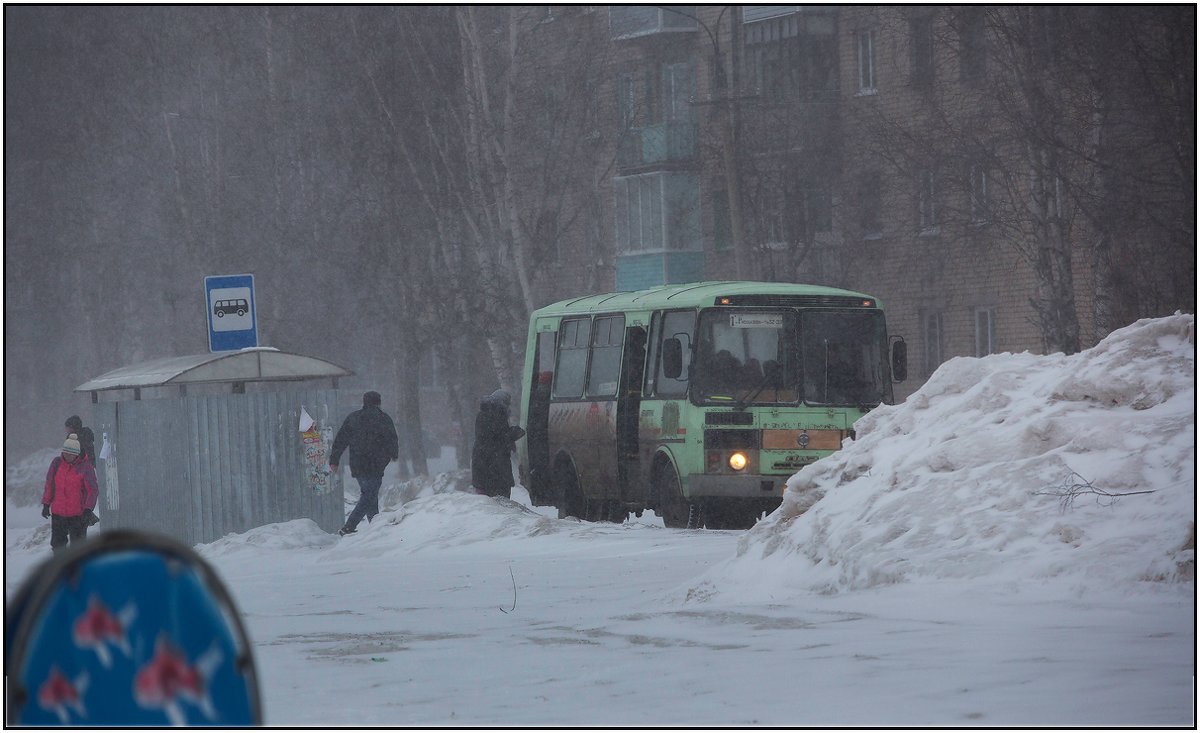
point(570, 499)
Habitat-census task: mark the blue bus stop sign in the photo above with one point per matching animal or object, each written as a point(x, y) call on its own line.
point(232, 318)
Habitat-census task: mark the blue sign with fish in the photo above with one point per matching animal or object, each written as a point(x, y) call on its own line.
point(131, 630)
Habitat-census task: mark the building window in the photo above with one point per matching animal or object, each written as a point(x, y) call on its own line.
point(792, 55)
point(922, 53)
point(631, 21)
point(679, 87)
point(656, 211)
point(927, 208)
point(985, 331)
point(866, 61)
point(871, 205)
point(626, 100)
point(981, 207)
point(652, 101)
point(931, 327)
point(972, 43)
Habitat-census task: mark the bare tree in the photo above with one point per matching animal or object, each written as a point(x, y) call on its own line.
point(1027, 137)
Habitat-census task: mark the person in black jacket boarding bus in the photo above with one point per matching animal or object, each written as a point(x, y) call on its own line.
point(495, 441)
point(370, 435)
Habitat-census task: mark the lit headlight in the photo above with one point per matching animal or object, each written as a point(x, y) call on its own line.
point(737, 461)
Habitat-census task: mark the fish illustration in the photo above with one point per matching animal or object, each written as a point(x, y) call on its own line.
point(167, 679)
point(57, 694)
point(98, 627)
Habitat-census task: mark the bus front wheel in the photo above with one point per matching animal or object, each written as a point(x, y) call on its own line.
point(676, 511)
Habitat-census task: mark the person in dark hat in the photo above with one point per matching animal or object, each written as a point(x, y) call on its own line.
point(69, 498)
point(371, 437)
point(87, 440)
point(495, 441)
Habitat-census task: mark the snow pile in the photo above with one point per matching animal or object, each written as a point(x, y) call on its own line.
point(396, 494)
point(438, 520)
point(454, 519)
point(298, 534)
point(994, 469)
point(24, 481)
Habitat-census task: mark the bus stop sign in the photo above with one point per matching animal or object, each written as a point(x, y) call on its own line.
point(232, 320)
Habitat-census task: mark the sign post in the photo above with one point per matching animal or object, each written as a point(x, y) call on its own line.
point(232, 316)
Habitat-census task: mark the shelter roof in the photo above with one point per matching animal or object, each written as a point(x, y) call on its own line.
point(258, 364)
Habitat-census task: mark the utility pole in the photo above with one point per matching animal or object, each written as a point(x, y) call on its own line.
point(727, 131)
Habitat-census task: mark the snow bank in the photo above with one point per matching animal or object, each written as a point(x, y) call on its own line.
point(989, 471)
point(298, 534)
point(24, 481)
point(396, 494)
point(438, 518)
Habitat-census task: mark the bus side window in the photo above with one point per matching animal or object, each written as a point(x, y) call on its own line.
point(653, 347)
point(607, 339)
point(681, 325)
point(571, 364)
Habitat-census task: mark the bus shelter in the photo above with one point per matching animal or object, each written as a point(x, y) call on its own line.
point(197, 447)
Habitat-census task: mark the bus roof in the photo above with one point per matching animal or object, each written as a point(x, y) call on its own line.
point(690, 295)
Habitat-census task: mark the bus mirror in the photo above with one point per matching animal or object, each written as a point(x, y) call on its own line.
point(672, 358)
point(899, 360)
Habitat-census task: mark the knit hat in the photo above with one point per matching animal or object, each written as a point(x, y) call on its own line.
point(372, 398)
point(74, 423)
point(502, 396)
point(71, 445)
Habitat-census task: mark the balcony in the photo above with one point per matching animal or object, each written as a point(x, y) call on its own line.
point(653, 144)
point(633, 21)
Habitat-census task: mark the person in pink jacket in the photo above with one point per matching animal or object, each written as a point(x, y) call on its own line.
point(69, 499)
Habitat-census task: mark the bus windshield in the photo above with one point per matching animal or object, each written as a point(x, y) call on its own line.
point(844, 358)
point(746, 357)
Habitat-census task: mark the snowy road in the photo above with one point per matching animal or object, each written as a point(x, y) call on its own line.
point(405, 624)
point(400, 627)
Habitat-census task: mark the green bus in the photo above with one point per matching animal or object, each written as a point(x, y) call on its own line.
point(696, 401)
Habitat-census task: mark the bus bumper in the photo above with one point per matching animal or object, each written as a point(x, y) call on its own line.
point(742, 487)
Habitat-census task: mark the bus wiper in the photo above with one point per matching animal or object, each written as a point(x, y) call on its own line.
point(762, 383)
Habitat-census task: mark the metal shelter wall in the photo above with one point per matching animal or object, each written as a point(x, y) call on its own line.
point(199, 467)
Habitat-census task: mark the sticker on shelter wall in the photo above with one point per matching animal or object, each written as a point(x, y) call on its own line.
point(108, 454)
point(316, 453)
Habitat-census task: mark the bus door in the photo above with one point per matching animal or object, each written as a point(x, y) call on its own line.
point(537, 436)
point(629, 403)
point(663, 397)
point(600, 396)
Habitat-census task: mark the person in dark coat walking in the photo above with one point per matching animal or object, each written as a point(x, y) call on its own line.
point(69, 498)
point(495, 441)
point(87, 440)
point(370, 435)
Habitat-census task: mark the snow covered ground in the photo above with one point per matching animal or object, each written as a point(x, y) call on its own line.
point(979, 556)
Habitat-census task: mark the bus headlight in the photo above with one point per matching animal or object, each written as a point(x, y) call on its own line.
point(737, 461)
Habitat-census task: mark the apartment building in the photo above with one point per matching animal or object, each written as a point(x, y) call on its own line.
point(872, 147)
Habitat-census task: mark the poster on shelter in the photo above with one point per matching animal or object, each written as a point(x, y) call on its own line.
point(316, 453)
